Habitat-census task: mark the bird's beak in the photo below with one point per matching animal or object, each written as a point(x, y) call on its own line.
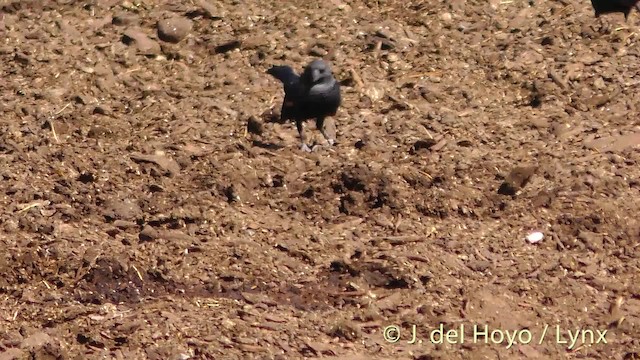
point(315, 75)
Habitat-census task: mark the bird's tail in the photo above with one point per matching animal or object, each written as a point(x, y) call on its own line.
point(284, 73)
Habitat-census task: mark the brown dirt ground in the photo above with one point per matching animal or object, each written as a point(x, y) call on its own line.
point(141, 220)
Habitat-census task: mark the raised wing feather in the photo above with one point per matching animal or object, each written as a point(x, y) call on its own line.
point(292, 89)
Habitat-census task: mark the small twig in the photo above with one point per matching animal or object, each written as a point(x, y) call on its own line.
point(30, 206)
point(132, 70)
point(428, 134)
point(137, 272)
point(53, 131)
point(575, 349)
point(53, 127)
point(377, 49)
point(425, 174)
point(63, 109)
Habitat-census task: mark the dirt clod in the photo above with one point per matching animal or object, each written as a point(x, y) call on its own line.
point(174, 29)
point(143, 43)
point(516, 180)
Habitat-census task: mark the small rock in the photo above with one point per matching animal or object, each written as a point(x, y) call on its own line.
point(375, 93)
point(592, 241)
point(547, 41)
point(346, 330)
point(210, 11)
point(144, 44)
point(317, 51)
point(535, 237)
point(479, 265)
point(69, 30)
point(422, 144)
point(392, 57)
point(599, 84)
point(516, 180)
point(148, 234)
point(569, 262)
point(168, 165)
point(102, 110)
point(540, 123)
point(36, 340)
point(122, 210)
point(174, 29)
point(227, 46)
point(82, 99)
point(124, 19)
point(13, 354)
point(98, 131)
point(615, 143)
point(254, 126)
point(123, 224)
point(446, 17)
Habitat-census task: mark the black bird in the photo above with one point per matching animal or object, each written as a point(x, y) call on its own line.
point(313, 95)
point(603, 7)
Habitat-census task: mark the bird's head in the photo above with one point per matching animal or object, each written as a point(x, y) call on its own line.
point(317, 72)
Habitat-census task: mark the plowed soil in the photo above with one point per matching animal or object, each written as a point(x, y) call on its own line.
point(142, 220)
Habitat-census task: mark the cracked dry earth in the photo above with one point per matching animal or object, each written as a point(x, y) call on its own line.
point(141, 220)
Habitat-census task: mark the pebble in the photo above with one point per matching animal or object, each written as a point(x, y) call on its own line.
point(446, 17)
point(124, 19)
point(174, 29)
point(535, 237)
point(140, 40)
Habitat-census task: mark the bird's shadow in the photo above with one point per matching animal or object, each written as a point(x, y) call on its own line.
point(266, 145)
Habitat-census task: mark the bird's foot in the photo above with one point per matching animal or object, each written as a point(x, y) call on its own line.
point(304, 147)
point(320, 146)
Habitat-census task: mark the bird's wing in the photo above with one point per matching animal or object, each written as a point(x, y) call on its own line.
point(286, 75)
point(292, 89)
point(325, 96)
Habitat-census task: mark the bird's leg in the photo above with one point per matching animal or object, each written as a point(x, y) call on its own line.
point(303, 137)
point(328, 129)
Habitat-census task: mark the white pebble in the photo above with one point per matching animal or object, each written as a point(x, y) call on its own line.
point(535, 237)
